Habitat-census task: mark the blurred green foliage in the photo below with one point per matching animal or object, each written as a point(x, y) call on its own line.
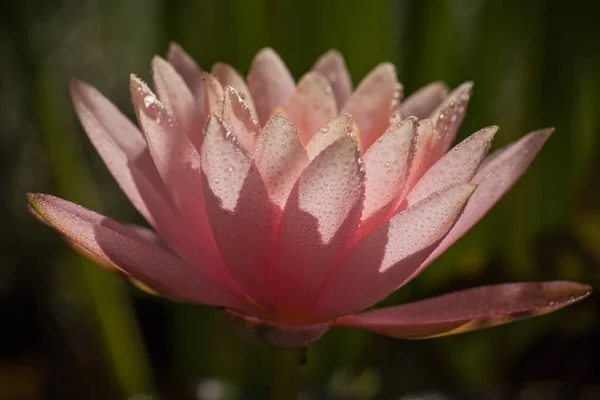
point(534, 64)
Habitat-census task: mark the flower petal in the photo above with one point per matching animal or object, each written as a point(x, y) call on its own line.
point(323, 210)
point(270, 83)
point(241, 213)
point(114, 243)
point(189, 71)
point(176, 158)
point(387, 163)
point(238, 118)
point(371, 103)
point(424, 156)
point(332, 66)
point(311, 105)
point(455, 167)
point(468, 310)
point(448, 117)
point(494, 180)
point(336, 128)
point(119, 143)
point(177, 99)
point(228, 76)
point(280, 157)
point(390, 255)
point(214, 95)
point(424, 101)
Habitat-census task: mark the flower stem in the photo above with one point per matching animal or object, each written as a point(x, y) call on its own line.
point(286, 368)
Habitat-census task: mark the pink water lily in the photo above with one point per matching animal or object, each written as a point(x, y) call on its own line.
point(297, 206)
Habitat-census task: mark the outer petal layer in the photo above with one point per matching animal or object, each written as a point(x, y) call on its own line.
point(468, 310)
point(494, 179)
point(119, 246)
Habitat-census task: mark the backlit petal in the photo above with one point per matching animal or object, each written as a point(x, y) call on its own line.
point(333, 130)
point(189, 71)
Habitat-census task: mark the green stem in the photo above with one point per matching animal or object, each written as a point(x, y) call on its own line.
point(286, 369)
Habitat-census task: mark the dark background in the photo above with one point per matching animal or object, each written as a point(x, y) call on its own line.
point(69, 330)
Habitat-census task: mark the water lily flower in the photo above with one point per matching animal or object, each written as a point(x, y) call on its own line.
point(296, 207)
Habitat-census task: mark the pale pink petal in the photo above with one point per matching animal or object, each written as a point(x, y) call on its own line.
point(176, 158)
point(424, 156)
point(387, 163)
point(214, 95)
point(179, 102)
point(332, 66)
point(280, 157)
point(371, 103)
point(323, 210)
point(455, 167)
point(424, 101)
point(238, 118)
point(190, 72)
point(228, 76)
point(333, 130)
point(113, 242)
point(119, 142)
point(384, 259)
point(469, 309)
point(242, 215)
point(270, 83)
point(448, 117)
point(311, 105)
point(494, 180)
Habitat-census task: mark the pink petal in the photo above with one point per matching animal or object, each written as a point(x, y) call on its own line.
point(238, 118)
point(179, 102)
point(332, 66)
point(119, 143)
point(270, 83)
point(115, 243)
point(242, 215)
point(456, 167)
point(176, 158)
point(333, 130)
point(311, 105)
point(228, 76)
point(371, 103)
point(189, 71)
point(468, 310)
point(424, 156)
point(322, 211)
point(387, 164)
point(424, 101)
point(280, 157)
point(384, 259)
point(214, 95)
point(494, 181)
point(448, 117)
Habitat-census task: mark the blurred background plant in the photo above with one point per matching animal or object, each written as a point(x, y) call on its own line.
point(70, 330)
